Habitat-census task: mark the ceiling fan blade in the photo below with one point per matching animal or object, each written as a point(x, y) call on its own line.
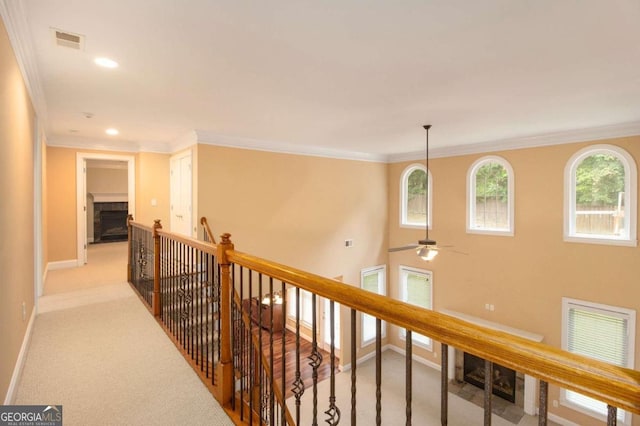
point(407, 247)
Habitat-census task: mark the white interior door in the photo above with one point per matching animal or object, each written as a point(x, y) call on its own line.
point(181, 194)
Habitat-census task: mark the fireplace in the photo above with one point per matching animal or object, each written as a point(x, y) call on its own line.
point(525, 394)
point(504, 379)
point(110, 221)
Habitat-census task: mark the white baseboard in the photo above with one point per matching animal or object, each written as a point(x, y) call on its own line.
point(417, 358)
point(367, 357)
point(62, 264)
point(560, 420)
point(89, 240)
point(22, 356)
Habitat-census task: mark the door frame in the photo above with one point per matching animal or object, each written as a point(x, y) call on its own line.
point(81, 195)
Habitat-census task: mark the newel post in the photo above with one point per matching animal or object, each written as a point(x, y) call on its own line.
point(129, 246)
point(156, 268)
point(225, 366)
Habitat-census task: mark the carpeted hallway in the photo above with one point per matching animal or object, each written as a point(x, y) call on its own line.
point(97, 351)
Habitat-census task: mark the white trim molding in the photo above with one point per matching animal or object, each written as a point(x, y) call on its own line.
point(534, 141)
point(62, 264)
point(14, 15)
point(22, 357)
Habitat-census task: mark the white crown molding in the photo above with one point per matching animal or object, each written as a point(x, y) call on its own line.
point(184, 142)
point(14, 17)
point(208, 138)
point(547, 139)
point(107, 145)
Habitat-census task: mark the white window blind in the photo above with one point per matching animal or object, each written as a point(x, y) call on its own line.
point(601, 332)
point(417, 289)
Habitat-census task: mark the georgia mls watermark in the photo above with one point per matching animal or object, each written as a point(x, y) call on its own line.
point(30, 415)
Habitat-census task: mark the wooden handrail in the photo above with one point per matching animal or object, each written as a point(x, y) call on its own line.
point(205, 224)
point(140, 225)
point(616, 386)
point(192, 242)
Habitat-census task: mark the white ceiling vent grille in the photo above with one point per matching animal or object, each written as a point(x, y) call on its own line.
point(67, 39)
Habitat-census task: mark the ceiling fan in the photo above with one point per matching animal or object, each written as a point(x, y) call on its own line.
point(427, 248)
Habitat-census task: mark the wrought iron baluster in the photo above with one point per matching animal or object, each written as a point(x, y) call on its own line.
point(315, 359)
point(353, 367)
point(444, 385)
point(283, 318)
point(378, 371)
point(259, 354)
point(408, 374)
point(488, 390)
point(298, 385)
point(612, 415)
point(271, 363)
point(543, 403)
point(333, 413)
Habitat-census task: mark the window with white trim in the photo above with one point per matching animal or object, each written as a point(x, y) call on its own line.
point(601, 196)
point(414, 190)
point(490, 202)
point(602, 332)
point(374, 280)
point(416, 288)
point(306, 306)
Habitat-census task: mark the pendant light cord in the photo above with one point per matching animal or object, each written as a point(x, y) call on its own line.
point(426, 183)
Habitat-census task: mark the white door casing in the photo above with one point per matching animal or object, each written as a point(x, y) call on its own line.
point(81, 195)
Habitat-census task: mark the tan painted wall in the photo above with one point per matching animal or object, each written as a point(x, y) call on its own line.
point(61, 198)
point(297, 210)
point(524, 276)
point(106, 180)
point(151, 182)
point(17, 120)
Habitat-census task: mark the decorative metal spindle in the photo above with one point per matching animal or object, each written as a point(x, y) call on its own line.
point(298, 385)
point(488, 390)
point(353, 367)
point(272, 383)
point(543, 403)
point(378, 371)
point(283, 290)
point(242, 355)
point(408, 374)
point(259, 355)
point(252, 361)
point(333, 413)
point(612, 415)
point(315, 358)
point(444, 385)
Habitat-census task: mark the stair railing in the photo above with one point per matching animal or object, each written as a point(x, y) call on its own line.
point(232, 280)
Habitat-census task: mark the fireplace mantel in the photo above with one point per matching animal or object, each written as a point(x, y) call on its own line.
point(530, 383)
point(494, 325)
point(112, 197)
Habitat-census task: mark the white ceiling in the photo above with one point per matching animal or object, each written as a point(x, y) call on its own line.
point(350, 75)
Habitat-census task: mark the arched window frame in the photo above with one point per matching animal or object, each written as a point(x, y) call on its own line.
point(630, 193)
point(404, 198)
point(471, 195)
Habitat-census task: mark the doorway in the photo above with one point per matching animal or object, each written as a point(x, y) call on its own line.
point(81, 195)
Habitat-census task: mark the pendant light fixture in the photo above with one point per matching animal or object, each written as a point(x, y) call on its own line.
point(427, 249)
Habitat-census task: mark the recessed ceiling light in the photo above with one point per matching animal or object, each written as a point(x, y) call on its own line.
point(112, 132)
point(106, 62)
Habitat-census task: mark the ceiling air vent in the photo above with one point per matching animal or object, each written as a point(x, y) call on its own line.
point(67, 39)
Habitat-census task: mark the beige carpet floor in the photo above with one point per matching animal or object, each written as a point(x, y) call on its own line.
point(107, 264)
point(425, 404)
point(98, 351)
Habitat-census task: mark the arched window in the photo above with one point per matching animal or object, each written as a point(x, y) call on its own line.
point(600, 196)
point(415, 188)
point(490, 196)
